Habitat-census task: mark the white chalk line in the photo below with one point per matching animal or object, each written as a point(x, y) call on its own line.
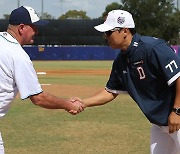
point(43, 73)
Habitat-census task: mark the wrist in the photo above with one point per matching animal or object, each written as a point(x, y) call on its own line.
point(67, 105)
point(176, 110)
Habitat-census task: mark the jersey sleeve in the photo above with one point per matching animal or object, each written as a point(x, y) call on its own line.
point(25, 77)
point(114, 84)
point(164, 57)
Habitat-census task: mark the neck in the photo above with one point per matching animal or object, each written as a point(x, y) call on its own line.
point(127, 43)
point(13, 31)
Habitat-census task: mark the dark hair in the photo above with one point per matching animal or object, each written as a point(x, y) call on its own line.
point(132, 30)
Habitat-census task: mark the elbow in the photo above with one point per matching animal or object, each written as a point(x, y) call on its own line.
point(37, 99)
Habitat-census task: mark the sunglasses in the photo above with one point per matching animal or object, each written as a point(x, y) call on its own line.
point(108, 33)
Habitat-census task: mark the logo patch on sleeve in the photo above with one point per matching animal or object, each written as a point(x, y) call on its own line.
point(138, 62)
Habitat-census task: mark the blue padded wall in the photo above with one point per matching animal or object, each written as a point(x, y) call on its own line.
point(75, 52)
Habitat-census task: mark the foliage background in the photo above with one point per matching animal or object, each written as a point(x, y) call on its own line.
point(153, 17)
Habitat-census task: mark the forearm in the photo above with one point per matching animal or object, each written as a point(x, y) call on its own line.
point(177, 98)
point(49, 101)
point(174, 119)
point(100, 98)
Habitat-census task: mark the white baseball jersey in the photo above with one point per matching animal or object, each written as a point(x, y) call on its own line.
point(16, 73)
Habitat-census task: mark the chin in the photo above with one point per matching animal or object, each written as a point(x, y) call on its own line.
point(31, 42)
point(113, 47)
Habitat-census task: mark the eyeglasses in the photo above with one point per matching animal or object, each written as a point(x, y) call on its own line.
point(108, 33)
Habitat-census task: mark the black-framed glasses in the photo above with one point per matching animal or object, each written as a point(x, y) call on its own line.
point(108, 33)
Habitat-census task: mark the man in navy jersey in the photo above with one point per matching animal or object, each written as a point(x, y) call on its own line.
point(149, 70)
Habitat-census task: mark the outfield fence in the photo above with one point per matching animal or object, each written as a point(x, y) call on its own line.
point(75, 52)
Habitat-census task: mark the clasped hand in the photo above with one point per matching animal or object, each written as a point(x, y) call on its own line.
point(77, 106)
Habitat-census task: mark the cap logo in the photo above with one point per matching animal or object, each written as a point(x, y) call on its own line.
point(121, 20)
point(35, 12)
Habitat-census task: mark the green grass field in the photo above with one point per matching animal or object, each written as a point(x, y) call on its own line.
point(115, 128)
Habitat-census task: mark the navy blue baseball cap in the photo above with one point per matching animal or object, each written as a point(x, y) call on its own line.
point(25, 15)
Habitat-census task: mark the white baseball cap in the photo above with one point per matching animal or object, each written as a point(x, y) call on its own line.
point(116, 18)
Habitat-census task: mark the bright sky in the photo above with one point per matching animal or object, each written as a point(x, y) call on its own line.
point(93, 8)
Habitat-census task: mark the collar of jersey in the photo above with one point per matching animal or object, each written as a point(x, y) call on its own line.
point(9, 37)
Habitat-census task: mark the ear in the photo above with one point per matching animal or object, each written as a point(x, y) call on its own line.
point(21, 29)
point(125, 32)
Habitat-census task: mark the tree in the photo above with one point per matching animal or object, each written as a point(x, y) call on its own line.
point(6, 16)
point(173, 30)
point(153, 17)
point(74, 14)
point(110, 7)
point(46, 16)
point(150, 16)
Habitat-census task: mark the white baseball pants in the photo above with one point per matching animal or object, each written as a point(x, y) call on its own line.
point(164, 143)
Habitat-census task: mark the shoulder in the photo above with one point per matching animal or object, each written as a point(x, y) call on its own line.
point(152, 44)
point(151, 40)
point(11, 47)
point(7, 38)
point(157, 45)
point(9, 43)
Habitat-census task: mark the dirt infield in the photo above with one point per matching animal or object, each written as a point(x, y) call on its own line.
point(65, 90)
point(78, 71)
point(73, 90)
point(70, 90)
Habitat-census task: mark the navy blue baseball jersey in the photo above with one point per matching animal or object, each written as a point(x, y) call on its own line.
point(147, 70)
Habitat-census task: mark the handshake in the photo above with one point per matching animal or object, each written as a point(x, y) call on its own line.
point(75, 106)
